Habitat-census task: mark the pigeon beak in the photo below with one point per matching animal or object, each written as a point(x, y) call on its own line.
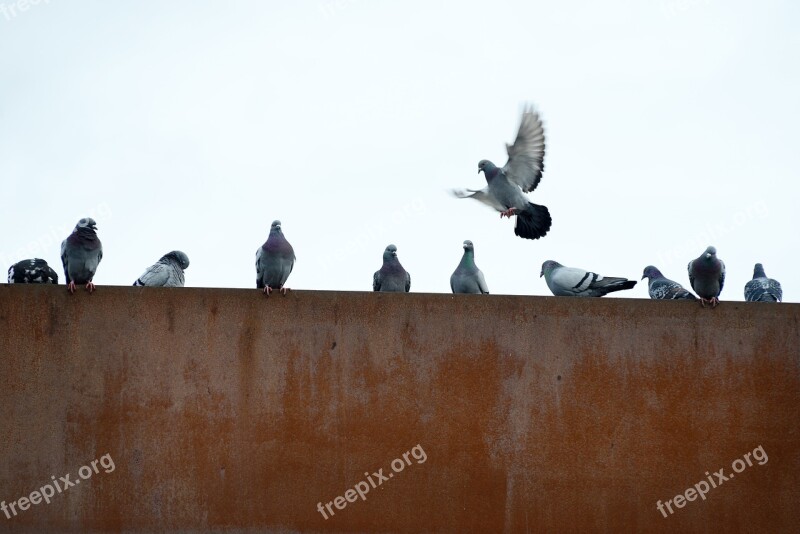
point(644, 276)
point(541, 274)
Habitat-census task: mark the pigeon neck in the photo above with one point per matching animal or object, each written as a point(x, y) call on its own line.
point(490, 172)
point(86, 233)
point(758, 272)
point(468, 259)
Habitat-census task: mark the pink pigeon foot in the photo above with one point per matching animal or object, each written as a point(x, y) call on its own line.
point(90, 286)
point(267, 290)
point(508, 213)
point(71, 287)
point(284, 290)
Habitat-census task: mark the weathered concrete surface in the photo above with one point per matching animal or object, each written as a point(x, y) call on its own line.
point(227, 411)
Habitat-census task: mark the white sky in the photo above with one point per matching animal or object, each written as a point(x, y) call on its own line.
point(191, 125)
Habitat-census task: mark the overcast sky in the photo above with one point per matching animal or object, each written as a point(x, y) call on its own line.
point(670, 125)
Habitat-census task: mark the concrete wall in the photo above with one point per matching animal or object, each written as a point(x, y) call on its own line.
point(226, 411)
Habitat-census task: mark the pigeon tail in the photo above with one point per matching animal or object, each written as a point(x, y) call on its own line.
point(609, 285)
point(533, 222)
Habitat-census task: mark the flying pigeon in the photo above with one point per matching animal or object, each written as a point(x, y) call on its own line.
point(707, 276)
point(662, 288)
point(761, 288)
point(521, 174)
point(167, 272)
point(391, 276)
point(572, 282)
point(81, 253)
point(35, 271)
point(467, 278)
point(274, 261)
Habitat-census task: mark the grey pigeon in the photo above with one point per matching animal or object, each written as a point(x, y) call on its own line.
point(274, 261)
point(166, 272)
point(707, 276)
point(572, 282)
point(521, 174)
point(761, 288)
point(467, 278)
point(391, 276)
point(662, 288)
point(35, 271)
point(81, 253)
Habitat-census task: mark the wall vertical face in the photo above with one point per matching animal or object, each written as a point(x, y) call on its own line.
point(225, 410)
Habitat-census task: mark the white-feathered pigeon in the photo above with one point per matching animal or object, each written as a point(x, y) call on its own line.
point(467, 278)
point(707, 276)
point(274, 261)
point(572, 282)
point(521, 174)
point(391, 276)
point(81, 253)
point(166, 272)
point(35, 271)
point(662, 288)
point(761, 288)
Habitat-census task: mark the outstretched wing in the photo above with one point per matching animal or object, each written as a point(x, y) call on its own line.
point(480, 194)
point(526, 156)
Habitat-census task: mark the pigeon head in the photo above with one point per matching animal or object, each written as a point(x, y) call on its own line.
point(87, 222)
point(710, 253)
point(180, 257)
point(468, 245)
point(547, 267)
point(651, 272)
point(275, 227)
point(758, 271)
point(390, 252)
point(488, 168)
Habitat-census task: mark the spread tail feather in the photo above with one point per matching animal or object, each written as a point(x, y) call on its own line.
point(533, 222)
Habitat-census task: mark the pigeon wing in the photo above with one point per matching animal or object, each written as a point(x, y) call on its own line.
point(526, 156)
point(156, 275)
point(482, 195)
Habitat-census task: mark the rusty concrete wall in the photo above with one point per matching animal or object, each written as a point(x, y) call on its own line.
point(226, 411)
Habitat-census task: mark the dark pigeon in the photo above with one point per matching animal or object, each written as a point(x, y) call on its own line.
point(391, 276)
point(662, 288)
point(707, 276)
point(761, 288)
point(521, 174)
point(35, 271)
point(572, 282)
point(81, 253)
point(274, 261)
point(166, 272)
point(467, 278)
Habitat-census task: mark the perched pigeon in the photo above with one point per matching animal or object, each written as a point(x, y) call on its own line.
point(81, 253)
point(662, 288)
point(467, 278)
point(274, 261)
point(391, 276)
point(571, 282)
point(707, 276)
point(167, 272)
point(761, 288)
point(521, 174)
point(33, 271)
